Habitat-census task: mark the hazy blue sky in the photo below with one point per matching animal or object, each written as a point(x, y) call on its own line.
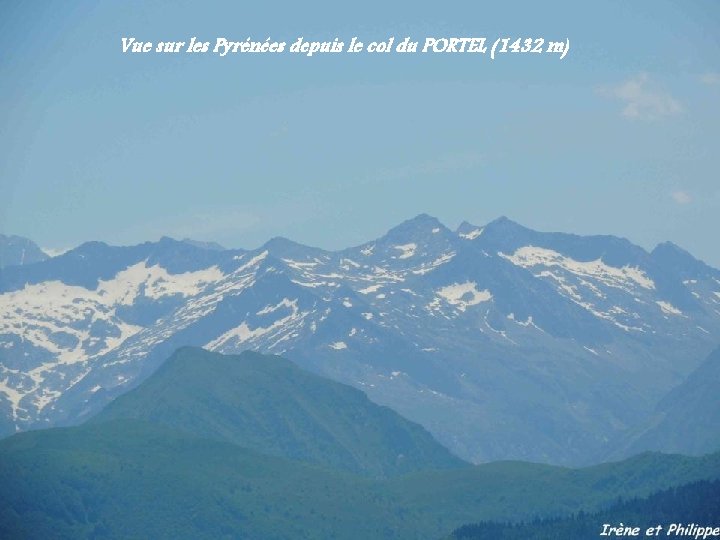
point(620, 137)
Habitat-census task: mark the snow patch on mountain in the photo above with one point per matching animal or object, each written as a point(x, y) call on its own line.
point(59, 317)
point(345, 264)
point(278, 331)
point(532, 256)
point(464, 295)
point(154, 282)
point(283, 303)
point(526, 323)
point(443, 259)
point(472, 235)
point(301, 265)
point(12, 395)
point(668, 308)
point(408, 250)
point(75, 324)
point(370, 289)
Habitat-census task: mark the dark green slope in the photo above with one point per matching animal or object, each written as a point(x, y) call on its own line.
point(512, 491)
point(268, 404)
point(698, 503)
point(170, 460)
point(129, 479)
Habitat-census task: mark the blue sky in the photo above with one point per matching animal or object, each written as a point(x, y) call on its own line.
point(621, 137)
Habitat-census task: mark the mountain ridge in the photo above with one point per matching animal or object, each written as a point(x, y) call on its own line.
point(584, 335)
point(685, 419)
point(268, 404)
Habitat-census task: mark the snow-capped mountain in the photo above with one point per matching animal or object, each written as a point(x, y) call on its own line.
point(502, 341)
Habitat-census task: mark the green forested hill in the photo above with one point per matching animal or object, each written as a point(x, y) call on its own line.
point(250, 446)
point(518, 490)
point(267, 403)
point(130, 479)
point(696, 503)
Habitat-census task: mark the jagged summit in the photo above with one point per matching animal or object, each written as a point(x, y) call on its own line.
point(496, 229)
point(679, 262)
point(671, 250)
point(89, 247)
point(505, 226)
point(468, 231)
point(412, 228)
point(280, 242)
point(19, 251)
point(669, 247)
point(499, 234)
point(503, 221)
point(425, 219)
point(204, 244)
point(284, 248)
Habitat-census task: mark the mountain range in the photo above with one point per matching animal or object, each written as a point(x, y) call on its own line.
point(501, 341)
